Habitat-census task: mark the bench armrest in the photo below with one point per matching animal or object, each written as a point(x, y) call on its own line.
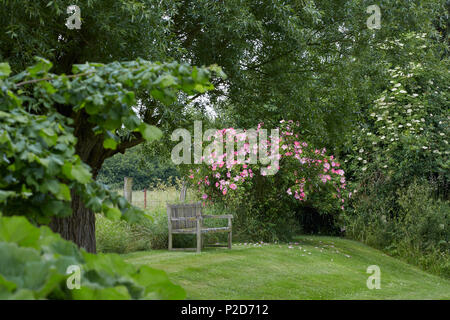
point(223, 216)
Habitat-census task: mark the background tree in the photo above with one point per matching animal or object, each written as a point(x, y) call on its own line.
point(40, 172)
point(111, 30)
point(145, 171)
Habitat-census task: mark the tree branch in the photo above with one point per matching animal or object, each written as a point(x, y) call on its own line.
point(47, 79)
point(124, 145)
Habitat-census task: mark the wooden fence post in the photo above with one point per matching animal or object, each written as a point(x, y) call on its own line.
point(183, 192)
point(128, 188)
point(145, 198)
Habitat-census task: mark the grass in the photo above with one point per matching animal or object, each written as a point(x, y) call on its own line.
point(313, 268)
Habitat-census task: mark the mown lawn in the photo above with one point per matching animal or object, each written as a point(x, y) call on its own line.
point(309, 268)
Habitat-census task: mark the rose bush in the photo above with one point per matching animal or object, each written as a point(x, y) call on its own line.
point(298, 175)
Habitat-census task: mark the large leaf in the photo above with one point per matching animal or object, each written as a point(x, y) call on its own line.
point(34, 262)
point(5, 70)
point(18, 230)
point(149, 132)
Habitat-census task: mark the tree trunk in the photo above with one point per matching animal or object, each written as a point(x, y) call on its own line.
point(79, 227)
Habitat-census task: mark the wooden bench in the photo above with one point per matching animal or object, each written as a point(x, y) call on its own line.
point(188, 219)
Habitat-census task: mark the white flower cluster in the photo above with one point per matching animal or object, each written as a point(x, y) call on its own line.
point(399, 121)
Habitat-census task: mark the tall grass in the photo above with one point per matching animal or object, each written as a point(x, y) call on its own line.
point(416, 230)
point(122, 237)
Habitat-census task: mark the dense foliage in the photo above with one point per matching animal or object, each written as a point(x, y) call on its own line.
point(35, 263)
point(39, 165)
point(398, 159)
point(404, 132)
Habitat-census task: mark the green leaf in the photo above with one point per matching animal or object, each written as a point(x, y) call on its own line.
point(64, 192)
point(165, 80)
point(40, 68)
point(4, 195)
point(49, 136)
point(49, 88)
point(6, 285)
point(149, 132)
point(67, 170)
point(34, 261)
point(109, 144)
point(52, 186)
point(95, 204)
point(129, 98)
point(57, 208)
point(5, 70)
point(18, 230)
point(115, 293)
point(81, 174)
point(113, 213)
point(92, 108)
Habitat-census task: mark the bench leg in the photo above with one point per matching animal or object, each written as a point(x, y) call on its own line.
point(230, 234)
point(199, 243)
point(199, 237)
point(170, 241)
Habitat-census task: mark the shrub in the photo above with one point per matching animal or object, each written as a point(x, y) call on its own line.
point(122, 237)
point(115, 236)
point(398, 165)
point(411, 224)
point(403, 133)
point(423, 229)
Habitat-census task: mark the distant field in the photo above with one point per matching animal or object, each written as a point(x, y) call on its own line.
point(157, 198)
point(314, 268)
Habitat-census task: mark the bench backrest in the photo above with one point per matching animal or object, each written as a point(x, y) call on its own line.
point(191, 210)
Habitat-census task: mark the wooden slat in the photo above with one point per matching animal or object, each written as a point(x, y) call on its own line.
point(203, 230)
point(184, 218)
point(215, 229)
point(176, 225)
point(190, 230)
point(223, 216)
point(184, 205)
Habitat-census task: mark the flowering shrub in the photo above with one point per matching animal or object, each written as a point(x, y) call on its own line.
point(303, 168)
point(404, 133)
point(398, 161)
